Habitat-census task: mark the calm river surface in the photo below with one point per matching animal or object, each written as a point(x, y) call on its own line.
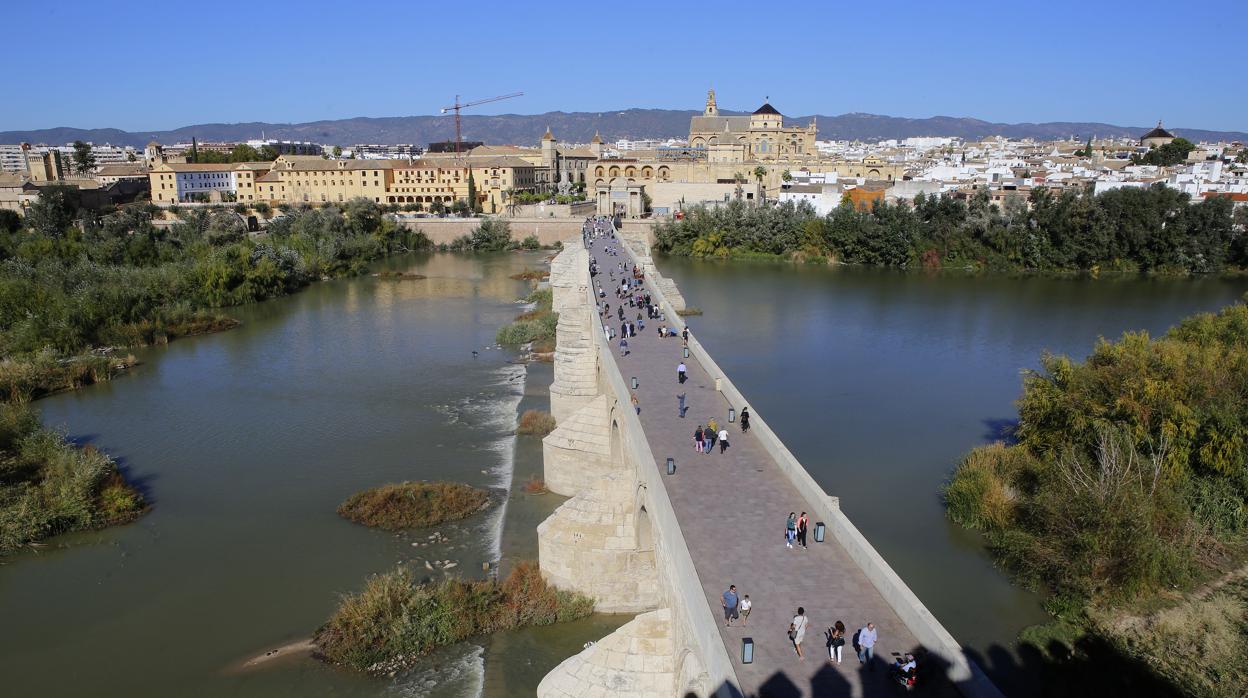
point(246, 442)
point(879, 381)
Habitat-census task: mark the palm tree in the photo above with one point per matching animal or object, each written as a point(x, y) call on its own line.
point(759, 173)
point(510, 195)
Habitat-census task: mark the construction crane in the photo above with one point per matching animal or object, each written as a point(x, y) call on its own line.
point(457, 106)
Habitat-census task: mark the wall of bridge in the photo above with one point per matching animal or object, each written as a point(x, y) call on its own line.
point(617, 538)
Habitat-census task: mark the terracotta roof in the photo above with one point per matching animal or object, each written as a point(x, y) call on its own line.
point(1233, 196)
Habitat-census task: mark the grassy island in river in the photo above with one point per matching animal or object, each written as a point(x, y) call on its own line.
point(394, 621)
point(396, 507)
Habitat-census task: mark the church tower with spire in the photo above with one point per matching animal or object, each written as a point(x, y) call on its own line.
point(711, 109)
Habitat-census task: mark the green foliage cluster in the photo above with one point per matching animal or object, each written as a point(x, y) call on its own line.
point(241, 153)
point(1166, 155)
point(49, 486)
point(395, 507)
point(119, 279)
point(394, 621)
point(1130, 474)
point(537, 325)
point(492, 235)
point(1155, 229)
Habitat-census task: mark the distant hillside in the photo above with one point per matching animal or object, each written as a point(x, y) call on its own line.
point(527, 129)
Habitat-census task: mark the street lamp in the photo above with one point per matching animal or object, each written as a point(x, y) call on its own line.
point(819, 531)
point(686, 352)
point(634, 382)
point(747, 650)
point(732, 414)
point(671, 466)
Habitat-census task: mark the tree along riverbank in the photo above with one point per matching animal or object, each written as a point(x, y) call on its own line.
point(74, 285)
point(1126, 489)
point(1155, 230)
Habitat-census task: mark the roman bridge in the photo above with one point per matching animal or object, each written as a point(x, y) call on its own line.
point(664, 546)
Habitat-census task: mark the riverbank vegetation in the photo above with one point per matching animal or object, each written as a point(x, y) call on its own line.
point(50, 486)
point(1152, 230)
point(397, 507)
point(1127, 486)
point(536, 326)
point(494, 235)
point(394, 621)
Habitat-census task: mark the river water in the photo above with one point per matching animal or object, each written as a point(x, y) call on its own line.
point(246, 441)
point(880, 380)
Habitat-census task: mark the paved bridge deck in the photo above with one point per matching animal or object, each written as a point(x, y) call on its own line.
point(732, 509)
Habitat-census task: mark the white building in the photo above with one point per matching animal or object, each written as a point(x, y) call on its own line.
point(192, 181)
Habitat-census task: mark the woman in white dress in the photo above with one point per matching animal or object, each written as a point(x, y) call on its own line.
point(797, 630)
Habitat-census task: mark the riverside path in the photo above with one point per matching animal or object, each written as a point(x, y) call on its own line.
point(732, 509)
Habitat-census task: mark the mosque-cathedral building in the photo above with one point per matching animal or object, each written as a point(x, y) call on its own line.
point(740, 156)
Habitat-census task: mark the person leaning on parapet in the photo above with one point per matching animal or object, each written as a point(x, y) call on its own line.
point(730, 604)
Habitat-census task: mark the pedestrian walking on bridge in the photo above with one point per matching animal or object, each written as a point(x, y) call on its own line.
point(797, 630)
point(730, 604)
point(682, 372)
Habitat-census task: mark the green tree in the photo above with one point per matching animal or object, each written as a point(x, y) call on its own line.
point(473, 203)
point(786, 176)
point(268, 153)
point(84, 158)
point(759, 173)
point(244, 153)
point(1171, 153)
point(337, 151)
point(54, 212)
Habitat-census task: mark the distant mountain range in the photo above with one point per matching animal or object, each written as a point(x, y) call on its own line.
point(579, 127)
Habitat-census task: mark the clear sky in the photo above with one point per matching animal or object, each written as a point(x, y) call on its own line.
point(140, 65)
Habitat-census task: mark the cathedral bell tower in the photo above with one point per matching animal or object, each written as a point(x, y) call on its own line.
point(711, 109)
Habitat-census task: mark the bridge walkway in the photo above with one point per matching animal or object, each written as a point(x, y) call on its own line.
point(732, 509)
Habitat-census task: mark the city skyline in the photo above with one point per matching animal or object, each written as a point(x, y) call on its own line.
point(1123, 64)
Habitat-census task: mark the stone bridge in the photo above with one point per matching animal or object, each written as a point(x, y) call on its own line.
point(665, 546)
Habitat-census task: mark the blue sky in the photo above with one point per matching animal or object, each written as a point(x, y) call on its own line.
point(141, 65)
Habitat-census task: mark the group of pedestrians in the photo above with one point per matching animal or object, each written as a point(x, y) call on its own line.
point(735, 606)
point(795, 529)
point(704, 439)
